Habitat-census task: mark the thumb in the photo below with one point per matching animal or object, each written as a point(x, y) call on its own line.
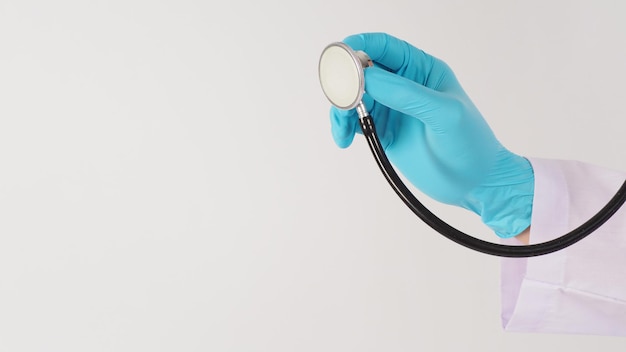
point(406, 96)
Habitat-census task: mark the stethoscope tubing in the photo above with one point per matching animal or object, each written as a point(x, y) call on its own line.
point(369, 131)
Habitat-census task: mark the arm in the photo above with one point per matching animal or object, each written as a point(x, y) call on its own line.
point(581, 289)
point(437, 138)
point(524, 237)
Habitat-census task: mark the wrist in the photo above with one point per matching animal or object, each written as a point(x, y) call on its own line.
point(504, 201)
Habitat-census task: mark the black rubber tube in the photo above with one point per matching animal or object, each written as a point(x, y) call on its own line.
point(369, 131)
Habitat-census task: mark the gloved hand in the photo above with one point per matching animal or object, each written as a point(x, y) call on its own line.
point(436, 137)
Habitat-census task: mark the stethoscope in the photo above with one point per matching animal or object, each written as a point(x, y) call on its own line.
point(341, 74)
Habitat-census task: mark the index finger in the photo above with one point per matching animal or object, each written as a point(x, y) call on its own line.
point(383, 48)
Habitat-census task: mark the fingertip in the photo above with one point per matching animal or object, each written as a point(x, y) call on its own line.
point(342, 140)
point(382, 48)
point(356, 41)
point(373, 43)
point(343, 143)
point(343, 126)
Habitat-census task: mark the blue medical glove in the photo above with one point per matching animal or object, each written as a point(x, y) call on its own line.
point(436, 137)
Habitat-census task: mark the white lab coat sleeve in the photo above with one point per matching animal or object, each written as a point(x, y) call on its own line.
point(581, 289)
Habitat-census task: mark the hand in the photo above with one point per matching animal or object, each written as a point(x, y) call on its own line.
point(436, 137)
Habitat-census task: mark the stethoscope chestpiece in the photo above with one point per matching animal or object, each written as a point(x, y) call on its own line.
point(341, 75)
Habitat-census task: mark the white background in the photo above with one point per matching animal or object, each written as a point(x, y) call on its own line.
point(168, 181)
